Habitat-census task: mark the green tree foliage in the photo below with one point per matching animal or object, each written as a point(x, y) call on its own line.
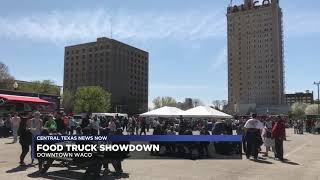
point(44, 87)
point(6, 80)
point(67, 101)
point(312, 109)
point(164, 101)
point(298, 110)
point(91, 99)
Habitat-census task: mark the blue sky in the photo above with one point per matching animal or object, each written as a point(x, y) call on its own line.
point(186, 40)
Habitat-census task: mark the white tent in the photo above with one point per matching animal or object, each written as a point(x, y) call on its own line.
point(109, 114)
point(165, 111)
point(204, 112)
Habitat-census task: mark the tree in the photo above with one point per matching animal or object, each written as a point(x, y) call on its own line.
point(91, 99)
point(224, 104)
point(159, 102)
point(67, 101)
point(312, 109)
point(298, 110)
point(6, 80)
point(45, 87)
point(216, 104)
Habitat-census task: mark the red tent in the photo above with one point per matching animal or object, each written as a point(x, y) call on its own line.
point(13, 98)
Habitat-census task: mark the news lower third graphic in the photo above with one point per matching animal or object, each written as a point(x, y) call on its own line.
point(138, 147)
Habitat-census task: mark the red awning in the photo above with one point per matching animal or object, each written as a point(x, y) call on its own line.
point(13, 98)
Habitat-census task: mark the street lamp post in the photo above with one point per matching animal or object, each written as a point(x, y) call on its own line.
point(318, 84)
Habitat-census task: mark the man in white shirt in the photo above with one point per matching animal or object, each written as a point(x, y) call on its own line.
point(15, 123)
point(253, 128)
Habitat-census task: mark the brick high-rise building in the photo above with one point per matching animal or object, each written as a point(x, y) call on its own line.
point(117, 67)
point(300, 97)
point(255, 55)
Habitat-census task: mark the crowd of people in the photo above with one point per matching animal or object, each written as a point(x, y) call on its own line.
point(298, 127)
point(269, 132)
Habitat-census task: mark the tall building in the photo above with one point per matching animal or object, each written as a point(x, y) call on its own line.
point(255, 55)
point(117, 67)
point(187, 104)
point(301, 97)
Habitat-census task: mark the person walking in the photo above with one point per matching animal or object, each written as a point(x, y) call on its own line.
point(253, 128)
point(112, 126)
point(25, 139)
point(279, 135)
point(147, 124)
point(51, 124)
point(267, 136)
point(95, 125)
point(36, 124)
point(204, 146)
point(15, 123)
point(134, 126)
point(85, 122)
point(143, 126)
point(71, 126)
point(7, 126)
point(240, 131)
point(295, 127)
point(129, 127)
point(60, 123)
point(137, 125)
point(2, 127)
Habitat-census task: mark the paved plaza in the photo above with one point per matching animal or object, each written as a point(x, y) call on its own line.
point(302, 152)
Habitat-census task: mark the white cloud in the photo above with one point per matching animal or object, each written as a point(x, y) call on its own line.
point(65, 26)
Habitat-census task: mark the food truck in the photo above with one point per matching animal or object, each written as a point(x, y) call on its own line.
point(23, 104)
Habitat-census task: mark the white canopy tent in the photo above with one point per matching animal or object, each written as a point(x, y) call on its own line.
point(109, 114)
point(165, 111)
point(204, 112)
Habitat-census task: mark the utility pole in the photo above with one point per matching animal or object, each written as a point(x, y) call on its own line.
point(318, 84)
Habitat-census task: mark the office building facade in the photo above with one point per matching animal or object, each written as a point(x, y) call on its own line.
point(255, 56)
point(300, 97)
point(117, 67)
